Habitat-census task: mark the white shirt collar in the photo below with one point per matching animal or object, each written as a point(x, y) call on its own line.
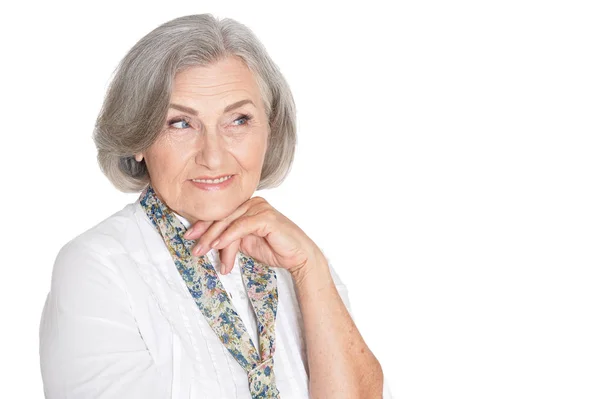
point(183, 220)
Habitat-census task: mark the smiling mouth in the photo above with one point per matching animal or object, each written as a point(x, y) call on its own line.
point(213, 181)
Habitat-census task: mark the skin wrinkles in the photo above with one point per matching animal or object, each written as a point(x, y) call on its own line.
point(231, 106)
point(214, 143)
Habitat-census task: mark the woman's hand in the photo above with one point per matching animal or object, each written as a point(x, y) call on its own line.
point(258, 230)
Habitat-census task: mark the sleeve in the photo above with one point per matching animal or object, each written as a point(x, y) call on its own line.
point(90, 346)
point(343, 291)
point(339, 284)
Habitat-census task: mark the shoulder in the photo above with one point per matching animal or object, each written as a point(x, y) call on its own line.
point(93, 252)
point(109, 236)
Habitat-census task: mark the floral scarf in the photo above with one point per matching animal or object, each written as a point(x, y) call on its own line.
point(207, 291)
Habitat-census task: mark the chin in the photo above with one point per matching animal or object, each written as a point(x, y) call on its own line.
point(213, 213)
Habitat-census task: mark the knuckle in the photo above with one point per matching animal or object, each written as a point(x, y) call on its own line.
point(239, 223)
point(269, 214)
point(258, 200)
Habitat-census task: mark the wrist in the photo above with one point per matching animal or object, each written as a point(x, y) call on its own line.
point(315, 268)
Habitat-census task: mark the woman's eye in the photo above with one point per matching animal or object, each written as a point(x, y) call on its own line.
point(245, 118)
point(184, 123)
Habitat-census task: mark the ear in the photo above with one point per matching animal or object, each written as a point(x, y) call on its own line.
point(139, 156)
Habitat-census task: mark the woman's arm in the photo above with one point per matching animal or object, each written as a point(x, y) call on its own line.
point(340, 363)
point(90, 345)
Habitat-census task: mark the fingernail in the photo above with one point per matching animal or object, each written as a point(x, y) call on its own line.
point(188, 232)
point(222, 269)
point(197, 249)
point(215, 243)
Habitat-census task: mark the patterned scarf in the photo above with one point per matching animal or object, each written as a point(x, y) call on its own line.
point(214, 303)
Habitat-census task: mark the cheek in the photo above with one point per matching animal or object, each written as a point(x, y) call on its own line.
point(165, 163)
point(251, 154)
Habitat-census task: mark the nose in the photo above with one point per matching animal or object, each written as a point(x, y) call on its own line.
point(210, 149)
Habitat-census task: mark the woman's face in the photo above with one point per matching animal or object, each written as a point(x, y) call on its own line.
point(221, 140)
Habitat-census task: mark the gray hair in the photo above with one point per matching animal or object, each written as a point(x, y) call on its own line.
point(135, 107)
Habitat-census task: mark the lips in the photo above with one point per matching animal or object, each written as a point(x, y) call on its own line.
point(210, 177)
point(212, 180)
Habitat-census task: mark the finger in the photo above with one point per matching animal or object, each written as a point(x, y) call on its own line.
point(258, 224)
point(250, 207)
point(258, 248)
point(197, 229)
point(227, 256)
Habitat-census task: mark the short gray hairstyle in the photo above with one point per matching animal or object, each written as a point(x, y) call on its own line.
point(136, 103)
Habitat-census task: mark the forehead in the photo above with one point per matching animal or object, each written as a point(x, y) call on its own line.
point(227, 76)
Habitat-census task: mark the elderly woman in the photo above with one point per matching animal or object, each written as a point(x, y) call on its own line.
point(198, 289)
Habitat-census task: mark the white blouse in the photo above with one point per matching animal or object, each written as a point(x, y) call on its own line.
point(119, 322)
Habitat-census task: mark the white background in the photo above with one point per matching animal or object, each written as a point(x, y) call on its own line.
point(448, 163)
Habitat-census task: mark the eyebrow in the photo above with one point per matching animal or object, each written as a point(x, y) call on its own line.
point(228, 108)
